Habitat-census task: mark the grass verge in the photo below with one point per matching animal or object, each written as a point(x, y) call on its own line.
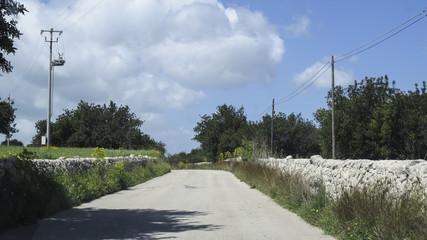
point(55, 152)
point(27, 195)
point(368, 213)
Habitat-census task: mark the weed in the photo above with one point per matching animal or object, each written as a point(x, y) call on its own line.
point(99, 153)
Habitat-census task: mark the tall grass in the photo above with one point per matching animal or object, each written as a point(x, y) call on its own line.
point(374, 213)
point(367, 213)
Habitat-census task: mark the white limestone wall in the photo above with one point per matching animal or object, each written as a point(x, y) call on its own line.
point(336, 175)
point(70, 164)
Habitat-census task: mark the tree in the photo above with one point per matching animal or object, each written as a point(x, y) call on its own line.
point(8, 31)
point(7, 118)
point(376, 121)
point(293, 135)
point(93, 125)
point(222, 131)
point(412, 123)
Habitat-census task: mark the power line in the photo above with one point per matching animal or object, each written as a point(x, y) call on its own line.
point(300, 89)
point(264, 112)
point(350, 54)
point(310, 81)
point(306, 84)
point(84, 14)
point(57, 21)
point(343, 56)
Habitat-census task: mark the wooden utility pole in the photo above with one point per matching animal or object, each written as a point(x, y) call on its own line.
point(272, 131)
point(49, 108)
point(333, 108)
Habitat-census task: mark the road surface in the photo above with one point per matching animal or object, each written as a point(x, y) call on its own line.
point(184, 204)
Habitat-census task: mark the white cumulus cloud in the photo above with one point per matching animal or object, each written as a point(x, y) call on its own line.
point(153, 55)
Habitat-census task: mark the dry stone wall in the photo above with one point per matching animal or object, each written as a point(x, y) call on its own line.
point(70, 164)
point(337, 175)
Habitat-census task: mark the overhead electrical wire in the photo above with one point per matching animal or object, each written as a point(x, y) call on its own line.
point(367, 45)
point(84, 14)
point(264, 112)
point(66, 14)
point(62, 16)
point(300, 89)
point(303, 86)
point(364, 47)
point(30, 61)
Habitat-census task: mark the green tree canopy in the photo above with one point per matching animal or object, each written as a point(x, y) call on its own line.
point(8, 31)
point(374, 120)
point(93, 125)
point(222, 131)
point(292, 135)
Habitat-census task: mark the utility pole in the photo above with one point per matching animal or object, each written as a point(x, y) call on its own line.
point(49, 108)
point(9, 128)
point(333, 108)
point(272, 131)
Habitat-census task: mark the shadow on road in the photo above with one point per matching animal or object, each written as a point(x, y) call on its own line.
point(112, 224)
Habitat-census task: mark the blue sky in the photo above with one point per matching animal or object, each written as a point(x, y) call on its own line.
point(173, 61)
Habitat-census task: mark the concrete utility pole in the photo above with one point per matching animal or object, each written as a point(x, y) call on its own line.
point(333, 108)
point(272, 131)
point(8, 132)
point(49, 108)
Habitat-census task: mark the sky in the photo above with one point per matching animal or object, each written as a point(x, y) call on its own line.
point(174, 61)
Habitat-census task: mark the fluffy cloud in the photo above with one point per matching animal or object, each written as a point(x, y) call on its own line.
point(153, 55)
point(342, 76)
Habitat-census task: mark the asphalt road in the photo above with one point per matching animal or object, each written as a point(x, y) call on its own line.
point(180, 205)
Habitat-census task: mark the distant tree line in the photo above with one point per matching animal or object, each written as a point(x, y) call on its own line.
point(373, 120)
point(195, 156)
point(93, 125)
point(227, 131)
